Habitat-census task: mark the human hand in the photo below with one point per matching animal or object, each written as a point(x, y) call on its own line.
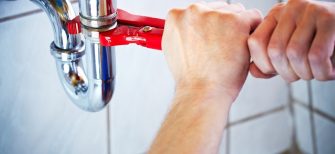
point(296, 41)
point(205, 46)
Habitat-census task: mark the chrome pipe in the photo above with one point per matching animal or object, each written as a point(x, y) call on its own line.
point(91, 92)
point(98, 13)
point(59, 13)
point(90, 87)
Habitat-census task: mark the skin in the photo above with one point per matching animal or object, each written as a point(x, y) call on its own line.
point(205, 46)
point(296, 41)
point(207, 49)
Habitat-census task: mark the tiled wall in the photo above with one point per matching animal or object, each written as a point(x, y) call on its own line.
point(260, 122)
point(314, 115)
point(313, 105)
point(37, 117)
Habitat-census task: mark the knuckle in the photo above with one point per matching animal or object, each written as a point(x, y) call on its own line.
point(306, 77)
point(293, 52)
point(174, 13)
point(253, 42)
point(304, 74)
point(321, 78)
point(279, 5)
point(327, 18)
point(225, 19)
point(277, 8)
point(311, 8)
point(313, 58)
point(194, 7)
point(274, 53)
point(231, 17)
point(267, 69)
point(291, 79)
point(316, 57)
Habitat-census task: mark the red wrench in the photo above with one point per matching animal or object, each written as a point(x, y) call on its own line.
point(141, 30)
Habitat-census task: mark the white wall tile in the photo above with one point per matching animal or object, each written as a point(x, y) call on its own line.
point(36, 116)
point(259, 95)
point(268, 134)
point(9, 8)
point(223, 145)
point(300, 91)
point(325, 135)
point(144, 90)
point(303, 129)
point(323, 96)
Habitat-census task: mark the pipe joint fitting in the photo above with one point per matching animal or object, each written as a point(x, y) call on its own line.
point(67, 54)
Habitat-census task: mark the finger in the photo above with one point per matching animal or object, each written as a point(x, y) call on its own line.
point(254, 70)
point(320, 54)
point(298, 47)
point(277, 47)
point(258, 42)
point(254, 18)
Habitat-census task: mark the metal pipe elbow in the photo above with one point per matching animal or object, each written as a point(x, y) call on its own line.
point(89, 94)
point(90, 87)
point(59, 13)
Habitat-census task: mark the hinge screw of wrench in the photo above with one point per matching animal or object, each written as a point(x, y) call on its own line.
point(147, 29)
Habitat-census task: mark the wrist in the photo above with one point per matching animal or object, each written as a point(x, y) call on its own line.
point(207, 91)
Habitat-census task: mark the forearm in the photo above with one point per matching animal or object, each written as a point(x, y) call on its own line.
point(209, 67)
point(195, 123)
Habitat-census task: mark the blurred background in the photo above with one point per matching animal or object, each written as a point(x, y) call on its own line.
point(37, 117)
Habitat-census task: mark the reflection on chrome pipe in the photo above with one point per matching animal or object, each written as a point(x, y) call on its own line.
point(101, 61)
point(92, 93)
point(98, 13)
point(59, 13)
point(90, 87)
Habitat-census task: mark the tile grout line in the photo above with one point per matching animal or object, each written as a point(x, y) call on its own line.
point(25, 14)
point(256, 116)
point(16, 16)
point(294, 144)
point(228, 135)
point(109, 140)
point(317, 111)
point(311, 116)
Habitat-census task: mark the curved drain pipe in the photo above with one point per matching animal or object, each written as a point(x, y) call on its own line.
point(91, 87)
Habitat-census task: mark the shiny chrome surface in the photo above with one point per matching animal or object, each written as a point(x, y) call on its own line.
point(90, 87)
point(59, 12)
point(100, 61)
point(90, 90)
point(98, 13)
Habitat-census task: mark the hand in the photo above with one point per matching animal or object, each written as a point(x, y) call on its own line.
point(296, 41)
point(205, 45)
